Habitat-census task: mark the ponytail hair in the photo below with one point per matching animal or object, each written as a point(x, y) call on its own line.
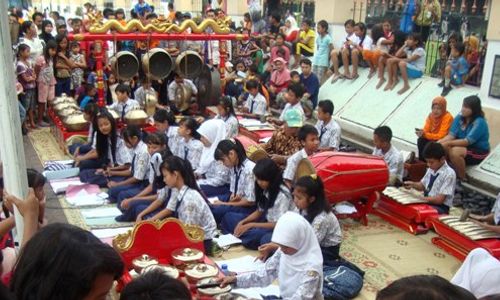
point(312, 186)
point(176, 164)
point(225, 146)
point(192, 125)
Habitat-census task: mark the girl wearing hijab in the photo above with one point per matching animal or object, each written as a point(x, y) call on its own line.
point(290, 30)
point(297, 264)
point(212, 176)
point(479, 274)
point(436, 126)
point(46, 34)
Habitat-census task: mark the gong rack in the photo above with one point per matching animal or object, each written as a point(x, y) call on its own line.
point(98, 36)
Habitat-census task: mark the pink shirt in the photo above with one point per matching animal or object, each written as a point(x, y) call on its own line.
point(274, 53)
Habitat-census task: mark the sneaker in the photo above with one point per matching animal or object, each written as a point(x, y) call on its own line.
point(446, 90)
point(441, 84)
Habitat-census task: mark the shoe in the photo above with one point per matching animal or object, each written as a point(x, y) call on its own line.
point(122, 218)
point(441, 84)
point(446, 90)
point(24, 130)
point(43, 124)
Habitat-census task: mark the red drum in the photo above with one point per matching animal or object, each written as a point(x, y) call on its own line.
point(247, 142)
point(351, 177)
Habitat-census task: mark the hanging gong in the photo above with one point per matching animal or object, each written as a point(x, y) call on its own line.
point(157, 63)
point(189, 64)
point(124, 65)
point(183, 95)
point(209, 88)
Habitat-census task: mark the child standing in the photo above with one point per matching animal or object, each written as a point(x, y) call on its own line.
point(382, 139)
point(186, 203)
point(349, 38)
point(242, 198)
point(324, 45)
point(256, 104)
point(226, 113)
point(189, 147)
point(456, 69)
point(329, 130)
point(79, 64)
point(46, 80)
point(413, 66)
point(63, 66)
point(273, 199)
point(308, 137)
point(439, 181)
point(27, 77)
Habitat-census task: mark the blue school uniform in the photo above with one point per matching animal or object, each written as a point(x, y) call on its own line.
point(242, 184)
point(136, 207)
point(256, 237)
point(216, 181)
point(139, 169)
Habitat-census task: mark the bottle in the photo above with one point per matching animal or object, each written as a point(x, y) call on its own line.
point(225, 270)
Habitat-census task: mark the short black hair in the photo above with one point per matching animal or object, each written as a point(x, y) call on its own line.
point(253, 68)
point(460, 47)
point(171, 5)
point(119, 11)
point(384, 133)
point(306, 130)
point(294, 73)
point(434, 150)
point(162, 116)
point(308, 22)
point(75, 21)
point(350, 22)
point(37, 14)
point(298, 89)
point(122, 88)
point(324, 24)
point(252, 84)
point(306, 61)
point(326, 106)
point(156, 138)
point(277, 17)
point(151, 16)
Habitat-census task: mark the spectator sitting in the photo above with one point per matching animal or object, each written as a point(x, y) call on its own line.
point(280, 76)
point(349, 39)
point(280, 44)
point(310, 81)
point(456, 69)
point(305, 43)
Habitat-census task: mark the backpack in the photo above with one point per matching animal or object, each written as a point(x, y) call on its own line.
point(342, 281)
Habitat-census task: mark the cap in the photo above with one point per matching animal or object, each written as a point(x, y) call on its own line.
point(293, 118)
point(280, 59)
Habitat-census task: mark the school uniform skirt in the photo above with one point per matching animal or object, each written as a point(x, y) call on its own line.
point(252, 238)
point(219, 211)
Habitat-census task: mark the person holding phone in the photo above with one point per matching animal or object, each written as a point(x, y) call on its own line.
point(437, 125)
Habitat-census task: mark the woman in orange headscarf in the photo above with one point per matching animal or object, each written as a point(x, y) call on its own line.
point(436, 126)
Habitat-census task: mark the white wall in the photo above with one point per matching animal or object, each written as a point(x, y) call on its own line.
point(493, 49)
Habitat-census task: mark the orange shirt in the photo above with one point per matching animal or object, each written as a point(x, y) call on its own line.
point(442, 130)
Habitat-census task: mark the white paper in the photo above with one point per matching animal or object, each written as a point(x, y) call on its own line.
point(212, 199)
point(243, 264)
point(101, 212)
point(252, 123)
point(345, 208)
point(265, 140)
point(110, 232)
point(60, 186)
point(255, 293)
point(225, 240)
point(88, 200)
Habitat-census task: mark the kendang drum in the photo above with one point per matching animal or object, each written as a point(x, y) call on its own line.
point(124, 65)
point(189, 64)
point(357, 178)
point(157, 63)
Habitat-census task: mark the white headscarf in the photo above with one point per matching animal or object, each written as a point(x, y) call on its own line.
point(293, 231)
point(479, 274)
point(294, 26)
point(214, 131)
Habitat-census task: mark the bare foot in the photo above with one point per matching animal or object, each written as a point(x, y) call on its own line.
point(372, 72)
point(395, 84)
point(389, 86)
point(335, 78)
point(404, 89)
point(380, 82)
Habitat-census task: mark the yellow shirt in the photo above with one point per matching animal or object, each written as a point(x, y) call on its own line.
point(309, 34)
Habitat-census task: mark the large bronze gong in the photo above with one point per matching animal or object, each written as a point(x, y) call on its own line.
point(209, 87)
point(124, 65)
point(157, 63)
point(189, 64)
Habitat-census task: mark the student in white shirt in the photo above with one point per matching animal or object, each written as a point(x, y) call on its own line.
point(336, 54)
point(308, 137)
point(256, 104)
point(382, 139)
point(297, 265)
point(329, 130)
point(133, 177)
point(356, 51)
point(186, 202)
point(293, 96)
point(132, 201)
point(166, 125)
point(143, 91)
point(273, 199)
point(490, 221)
point(124, 104)
point(189, 147)
point(226, 113)
point(439, 181)
point(242, 198)
point(212, 176)
point(90, 112)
